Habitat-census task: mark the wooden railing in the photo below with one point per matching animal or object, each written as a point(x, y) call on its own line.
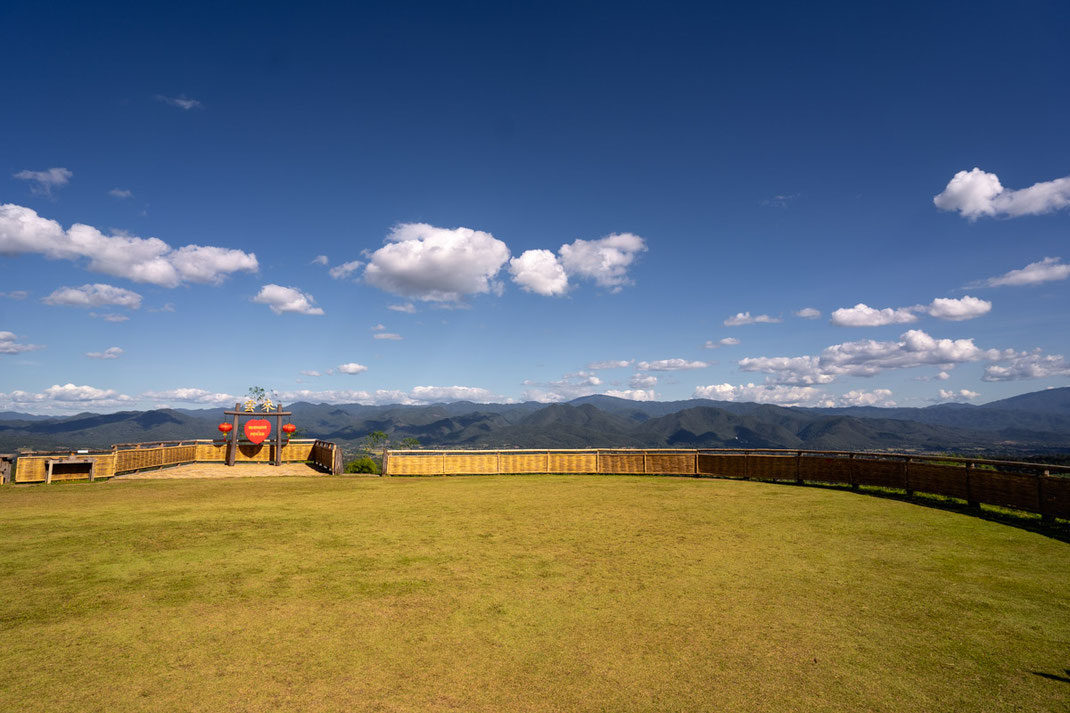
point(33, 466)
point(1032, 487)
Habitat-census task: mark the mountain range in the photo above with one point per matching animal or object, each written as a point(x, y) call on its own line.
point(1033, 422)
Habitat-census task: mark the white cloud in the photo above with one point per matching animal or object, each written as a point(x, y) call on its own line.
point(951, 309)
point(388, 335)
point(643, 381)
point(407, 308)
point(419, 395)
point(435, 394)
point(66, 397)
point(149, 260)
point(942, 376)
point(352, 368)
point(762, 394)
point(10, 345)
point(96, 295)
point(44, 181)
point(539, 271)
point(868, 357)
point(437, 264)
point(1028, 366)
point(726, 342)
point(742, 318)
point(15, 294)
point(862, 315)
point(977, 193)
point(109, 353)
point(1049, 269)
point(287, 299)
point(320, 260)
point(958, 310)
point(671, 365)
point(192, 395)
point(345, 269)
point(378, 327)
point(109, 316)
point(611, 364)
point(606, 260)
point(633, 394)
point(860, 397)
point(120, 193)
point(808, 313)
point(180, 102)
point(960, 395)
point(310, 372)
point(570, 386)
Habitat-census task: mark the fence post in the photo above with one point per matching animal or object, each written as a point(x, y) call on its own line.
point(1045, 513)
point(906, 477)
point(971, 501)
point(798, 468)
point(645, 469)
point(694, 462)
point(746, 465)
point(851, 468)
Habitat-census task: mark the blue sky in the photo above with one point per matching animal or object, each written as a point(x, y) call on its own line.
point(545, 201)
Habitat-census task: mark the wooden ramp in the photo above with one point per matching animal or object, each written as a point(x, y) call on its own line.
point(219, 470)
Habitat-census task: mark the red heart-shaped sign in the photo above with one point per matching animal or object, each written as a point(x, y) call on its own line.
point(257, 430)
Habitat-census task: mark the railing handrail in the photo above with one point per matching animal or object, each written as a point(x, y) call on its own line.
point(741, 451)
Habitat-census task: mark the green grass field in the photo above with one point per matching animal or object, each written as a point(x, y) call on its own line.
point(523, 593)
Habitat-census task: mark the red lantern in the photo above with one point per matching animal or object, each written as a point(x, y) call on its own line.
point(289, 429)
point(226, 428)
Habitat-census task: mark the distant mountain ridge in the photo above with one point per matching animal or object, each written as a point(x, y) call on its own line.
point(1038, 421)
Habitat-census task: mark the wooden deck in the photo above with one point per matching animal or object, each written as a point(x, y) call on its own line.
point(219, 470)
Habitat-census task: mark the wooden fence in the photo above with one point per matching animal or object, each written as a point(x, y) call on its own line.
point(1022, 486)
point(132, 457)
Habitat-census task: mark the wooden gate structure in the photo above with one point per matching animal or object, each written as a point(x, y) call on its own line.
point(234, 437)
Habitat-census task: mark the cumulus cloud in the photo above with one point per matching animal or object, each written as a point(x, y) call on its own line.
point(606, 260)
point(351, 368)
point(346, 269)
point(287, 299)
point(9, 344)
point(192, 395)
point(742, 318)
point(95, 295)
point(149, 260)
point(180, 102)
point(64, 397)
point(1034, 365)
point(433, 264)
point(958, 310)
point(869, 357)
point(388, 336)
point(960, 395)
point(633, 394)
point(407, 308)
point(539, 271)
point(310, 372)
point(1050, 269)
point(808, 313)
point(862, 315)
point(762, 394)
point(789, 395)
point(570, 386)
point(120, 193)
point(611, 364)
point(109, 353)
point(419, 395)
point(15, 294)
point(976, 193)
point(726, 342)
point(643, 381)
point(946, 308)
point(671, 365)
point(320, 260)
point(42, 182)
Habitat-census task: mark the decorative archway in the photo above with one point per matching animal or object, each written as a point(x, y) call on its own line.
point(257, 429)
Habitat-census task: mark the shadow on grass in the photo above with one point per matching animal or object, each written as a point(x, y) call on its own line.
point(1053, 676)
point(1057, 530)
